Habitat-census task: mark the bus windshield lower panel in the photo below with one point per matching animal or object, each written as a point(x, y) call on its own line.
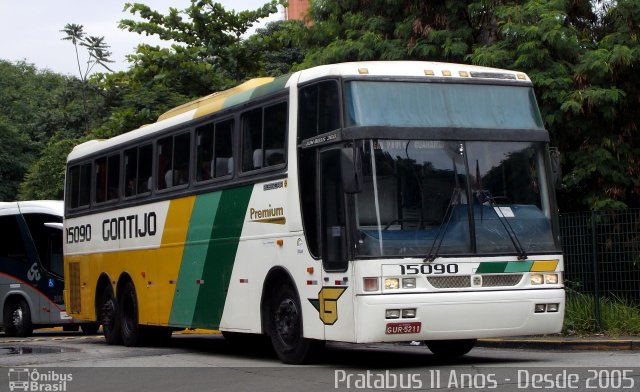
point(419, 197)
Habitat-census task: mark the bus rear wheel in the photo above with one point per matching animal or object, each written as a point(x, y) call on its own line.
point(451, 349)
point(285, 329)
point(128, 306)
point(17, 319)
point(109, 318)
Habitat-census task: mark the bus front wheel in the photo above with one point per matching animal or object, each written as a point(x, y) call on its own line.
point(285, 325)
point(17, 319)
point(450, 349)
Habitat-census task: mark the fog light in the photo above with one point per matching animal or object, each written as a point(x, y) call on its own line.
point(537, 279)
point(553, 308)
point(391, 283)
point(392, 313)
point(409, 283)
point(551, 278)
point(408, 313)
point(540, 308)
point(371, 284)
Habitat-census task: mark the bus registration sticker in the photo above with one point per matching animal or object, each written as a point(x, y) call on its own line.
point(399, 328)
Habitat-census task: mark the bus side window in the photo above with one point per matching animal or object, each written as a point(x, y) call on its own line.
point(130, 169)
point(79, 186)
point(107, 170)
point(319, 109)
point(252, 140)
point(145, 168)
point(223, 150)
point(275, 131)
point(12, 246)
point(204, 152)
point(164, 163)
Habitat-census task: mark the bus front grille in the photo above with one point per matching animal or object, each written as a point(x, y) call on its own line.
point(75, 305)
point(462, 281)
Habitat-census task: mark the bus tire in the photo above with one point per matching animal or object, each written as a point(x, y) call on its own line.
point(451, 349)
point(285, 328)
point(128, 307)
point(109, 318)
point(17, 318)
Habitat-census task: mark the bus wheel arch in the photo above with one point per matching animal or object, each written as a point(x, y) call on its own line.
point(127, 311)
point(17, 316)
point(281, 313)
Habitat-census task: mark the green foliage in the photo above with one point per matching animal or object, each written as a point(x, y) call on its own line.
point(15, 154)
point(45, 178)
point(618, 316)
point(208, 54)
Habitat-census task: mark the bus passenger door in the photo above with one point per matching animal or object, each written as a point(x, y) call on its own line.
point(335, 304)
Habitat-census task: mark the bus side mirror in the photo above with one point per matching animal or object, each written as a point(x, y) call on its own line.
point(556, 168)
point(351, 165)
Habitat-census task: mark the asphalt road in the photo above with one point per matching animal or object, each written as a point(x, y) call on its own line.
point(73, 362)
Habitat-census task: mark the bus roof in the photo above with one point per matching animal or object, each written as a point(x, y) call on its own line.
point(54, 207)
point(259, 87)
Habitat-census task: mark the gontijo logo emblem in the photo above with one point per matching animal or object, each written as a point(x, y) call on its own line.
point(327, 303)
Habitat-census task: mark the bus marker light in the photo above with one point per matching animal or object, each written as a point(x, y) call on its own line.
point(200, 281)
point(522, 76)
point(338, 282)
point(143, 274)
point(363, 71)
point(428, 72)
point(371, 284)
point(310, 270)
point(540, 308)
point(537, 279)
point(391, 283)
point(446, 73)
point(553, 308)
point(312, 282)
point(463, 74)
point(172, 282)
point(280, 242)
point(392, 313)
point(408, 313)
point(242, 280)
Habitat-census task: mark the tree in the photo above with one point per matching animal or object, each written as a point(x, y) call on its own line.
point(207, 55)
point(97, 54)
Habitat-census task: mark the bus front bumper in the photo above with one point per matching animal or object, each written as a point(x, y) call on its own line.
point(459, 315)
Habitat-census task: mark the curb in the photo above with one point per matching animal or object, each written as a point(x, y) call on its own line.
point(551, 344)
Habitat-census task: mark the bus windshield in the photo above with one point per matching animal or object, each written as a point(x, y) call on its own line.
point(419, 197)
point(413, 104)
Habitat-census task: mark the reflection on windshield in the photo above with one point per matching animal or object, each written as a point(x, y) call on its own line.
point(415, 198)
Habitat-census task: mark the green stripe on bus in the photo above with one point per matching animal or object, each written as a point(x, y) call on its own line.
point(519, 266)
point(499, 267)
point(193, 258)
point(221, 256)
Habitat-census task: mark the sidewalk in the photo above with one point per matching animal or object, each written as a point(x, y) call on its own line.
point(558, 342)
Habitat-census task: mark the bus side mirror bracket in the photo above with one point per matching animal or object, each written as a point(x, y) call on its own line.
point(351, 165)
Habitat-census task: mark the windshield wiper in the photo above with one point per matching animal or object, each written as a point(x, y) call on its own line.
point(486, 196)
point(447, 215)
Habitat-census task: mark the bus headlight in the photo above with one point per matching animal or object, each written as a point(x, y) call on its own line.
point(391, 283)
point(537, 279)
point(551, 278)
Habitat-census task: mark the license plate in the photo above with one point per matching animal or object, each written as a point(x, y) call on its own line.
point(399, 328)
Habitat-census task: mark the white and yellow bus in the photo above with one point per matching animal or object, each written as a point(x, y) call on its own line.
point(357, 202)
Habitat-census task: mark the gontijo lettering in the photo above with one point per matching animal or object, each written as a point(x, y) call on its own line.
point(130, 226)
